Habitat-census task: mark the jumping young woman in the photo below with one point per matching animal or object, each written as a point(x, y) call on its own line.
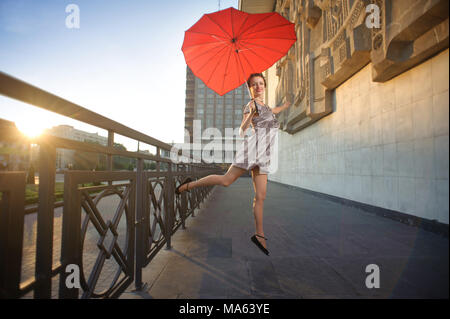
point(249, 156)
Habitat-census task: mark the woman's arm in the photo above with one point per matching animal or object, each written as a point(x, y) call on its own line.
point(246, 119)
point(281, 108)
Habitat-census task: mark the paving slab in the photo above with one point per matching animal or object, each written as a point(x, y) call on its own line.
point(319, 249)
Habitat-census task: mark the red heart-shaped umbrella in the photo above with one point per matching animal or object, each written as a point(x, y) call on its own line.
point(225, 47)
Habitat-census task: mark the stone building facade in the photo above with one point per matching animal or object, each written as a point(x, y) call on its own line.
point(369, 83)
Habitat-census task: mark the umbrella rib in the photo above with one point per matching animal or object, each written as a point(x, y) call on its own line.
point(242, 68)
point(232, 29)
point(219, 26)
point(253, 69)
point(208, 34)
point(256, 55)
point(243, 23)
point(261, 46)
point(226, 67)
point(255, 24)
point(206, 43)
point(194, 58)
point(214, 68)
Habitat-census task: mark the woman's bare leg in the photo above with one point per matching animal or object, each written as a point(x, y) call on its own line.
point(230, 176)
point(260, 186)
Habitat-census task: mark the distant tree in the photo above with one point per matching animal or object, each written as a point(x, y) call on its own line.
point(120, 146)
point(85, 160)
point(30, 175)
point(89, 160)
point(121, 162)
point(101, 164)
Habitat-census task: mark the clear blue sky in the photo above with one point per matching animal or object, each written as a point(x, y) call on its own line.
point(124, 62)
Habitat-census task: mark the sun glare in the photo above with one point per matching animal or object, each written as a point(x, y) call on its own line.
point(30, 129)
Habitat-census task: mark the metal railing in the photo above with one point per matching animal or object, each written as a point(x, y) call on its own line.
point(146, 211)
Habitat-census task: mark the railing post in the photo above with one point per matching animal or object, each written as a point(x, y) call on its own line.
point(184, 201)
point(158, 154)
point(109, 163)
point(71, 234)
point(139, 244)
point(194, 174)
point(169, 205)
point(109, 159)
point(12, 208)
point(45, 216)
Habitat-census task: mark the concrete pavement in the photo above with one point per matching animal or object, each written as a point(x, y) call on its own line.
point(318, 249)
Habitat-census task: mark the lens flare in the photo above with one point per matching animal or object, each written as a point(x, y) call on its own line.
point(30, 128)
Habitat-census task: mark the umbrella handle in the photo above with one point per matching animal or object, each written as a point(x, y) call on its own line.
point(251, 97)
point(248, 90)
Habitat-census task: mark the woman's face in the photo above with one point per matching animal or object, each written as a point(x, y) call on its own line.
point(257, 83)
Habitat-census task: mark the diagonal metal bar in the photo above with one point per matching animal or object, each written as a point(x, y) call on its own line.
point(95, 274)
point(121, 207)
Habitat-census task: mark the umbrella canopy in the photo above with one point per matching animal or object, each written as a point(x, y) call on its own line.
point(223, 48)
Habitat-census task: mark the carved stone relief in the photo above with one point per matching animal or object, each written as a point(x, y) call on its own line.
point(408, 33)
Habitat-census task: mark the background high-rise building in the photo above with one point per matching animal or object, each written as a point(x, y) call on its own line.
point(214, 111)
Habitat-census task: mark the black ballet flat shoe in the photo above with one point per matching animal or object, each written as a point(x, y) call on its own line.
point(257, 243)
point(186, 181)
